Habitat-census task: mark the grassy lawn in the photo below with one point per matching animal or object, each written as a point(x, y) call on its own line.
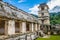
point(53, 37)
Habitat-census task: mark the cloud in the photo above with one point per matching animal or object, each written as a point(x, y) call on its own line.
point(20, 1)
point(34, 9)
point(52, 4)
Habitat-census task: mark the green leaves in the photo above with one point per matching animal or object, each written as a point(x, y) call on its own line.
point(55, 18)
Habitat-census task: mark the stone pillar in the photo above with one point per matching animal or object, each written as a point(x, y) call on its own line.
point(6, 27)
point(32, 27)
point(23, 28)
point(10, 27)
point(36, 27)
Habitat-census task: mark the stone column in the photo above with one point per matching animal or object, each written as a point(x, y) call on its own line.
point(23, 28)
point(6, 27)
point(32, 27)
point(9, 27)
point(36, 27)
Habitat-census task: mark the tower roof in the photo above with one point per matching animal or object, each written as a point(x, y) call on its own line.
point(43, 5)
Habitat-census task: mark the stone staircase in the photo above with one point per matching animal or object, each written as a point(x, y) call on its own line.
point(41, 33)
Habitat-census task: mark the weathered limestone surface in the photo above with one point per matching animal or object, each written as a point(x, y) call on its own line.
point(11, 27)
point(10, 11)
point(32, 27)
point(23, 27)
point(36, 27)
point(33, 36)
point(44, 18)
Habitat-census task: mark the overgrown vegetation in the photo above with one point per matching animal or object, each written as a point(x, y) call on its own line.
point(55, 18)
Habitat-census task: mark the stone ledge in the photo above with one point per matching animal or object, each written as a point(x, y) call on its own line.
point(3, 37)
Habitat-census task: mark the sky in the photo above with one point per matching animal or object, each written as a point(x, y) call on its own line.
point(31, 6)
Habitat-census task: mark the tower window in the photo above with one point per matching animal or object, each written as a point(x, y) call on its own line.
point(27, 26)
point(42, 13)
point(42, 8)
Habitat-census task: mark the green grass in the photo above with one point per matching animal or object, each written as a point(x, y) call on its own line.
point(53, 37)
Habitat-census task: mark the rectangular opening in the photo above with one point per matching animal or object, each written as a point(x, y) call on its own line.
point(42, 21)
point(42, 8)
point(17, 27)
point(42, 14)
point(27, 26)
point(2, 27)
